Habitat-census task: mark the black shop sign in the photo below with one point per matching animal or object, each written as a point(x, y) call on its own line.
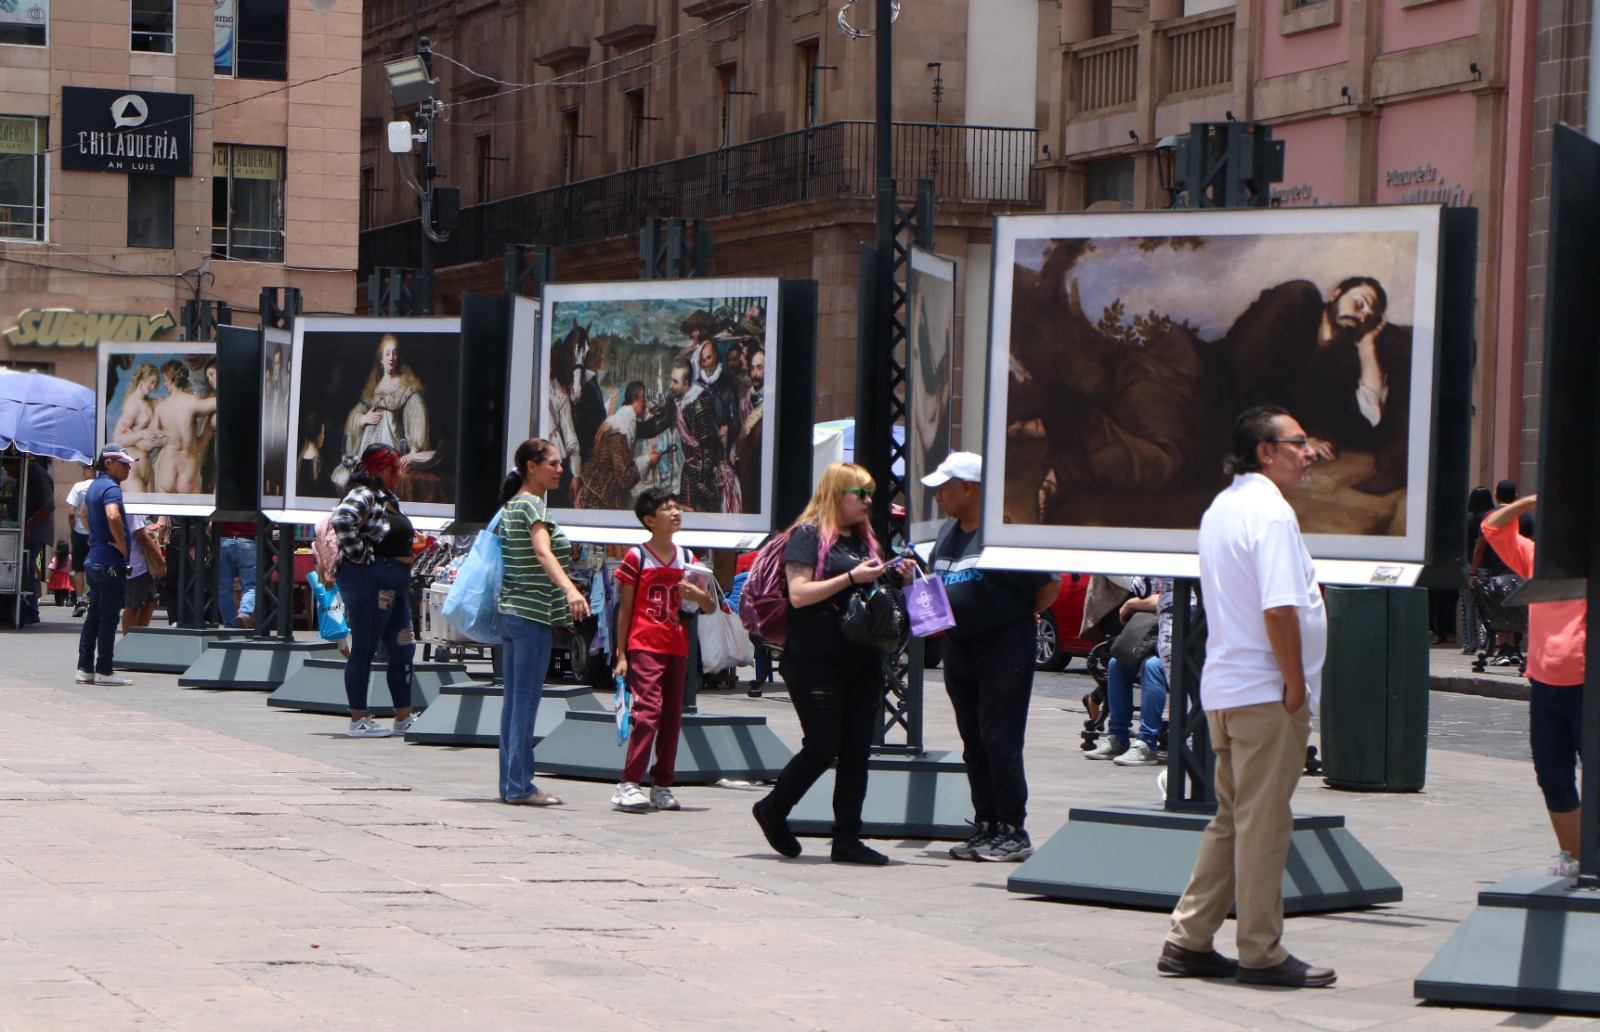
point(130, 131)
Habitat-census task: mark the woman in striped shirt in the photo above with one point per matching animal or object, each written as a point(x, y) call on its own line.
point(374, 579)
point(535, 595)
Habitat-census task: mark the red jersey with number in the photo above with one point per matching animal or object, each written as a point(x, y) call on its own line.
point(657, 623)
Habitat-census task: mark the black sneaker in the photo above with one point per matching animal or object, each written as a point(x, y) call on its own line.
point(1007, 845)
point(775, 829)
point(982, 832)
point(857, 852)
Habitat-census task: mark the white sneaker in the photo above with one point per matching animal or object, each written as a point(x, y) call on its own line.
point(629, 798)
point(85, 677)
point(663, 799)
point(1139, 754)
point(1563, 866)
point(402, 726)
point(366, 727)
point(1108, 749)
point(107, 681)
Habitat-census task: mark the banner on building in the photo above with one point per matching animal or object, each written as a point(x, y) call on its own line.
point(223, 21)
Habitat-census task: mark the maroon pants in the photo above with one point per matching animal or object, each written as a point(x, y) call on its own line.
point(657, 685)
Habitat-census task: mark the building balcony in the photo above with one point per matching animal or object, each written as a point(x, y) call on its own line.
point(980, 164)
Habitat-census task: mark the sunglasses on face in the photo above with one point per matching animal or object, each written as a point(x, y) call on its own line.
point(863, 493)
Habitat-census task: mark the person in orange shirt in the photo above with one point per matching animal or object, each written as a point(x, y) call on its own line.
point(1555, 671)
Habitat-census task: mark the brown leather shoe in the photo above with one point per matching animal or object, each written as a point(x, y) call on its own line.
point(537, 799)
point(1293, 973)
point(1182, 963)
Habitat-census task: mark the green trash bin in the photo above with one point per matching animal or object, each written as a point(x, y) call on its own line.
point(1374, 716)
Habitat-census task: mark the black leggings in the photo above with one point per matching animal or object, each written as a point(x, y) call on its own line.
point(839, 706)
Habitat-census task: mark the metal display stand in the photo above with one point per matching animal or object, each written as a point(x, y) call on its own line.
point(169, 650)
point(318, 685)
point(1532, 941)
point(468, 713)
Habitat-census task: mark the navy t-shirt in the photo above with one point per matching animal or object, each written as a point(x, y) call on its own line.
point(981, 600)
point(103, 492)
point(816, 631)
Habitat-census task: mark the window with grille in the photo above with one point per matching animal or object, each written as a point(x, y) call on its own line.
point(23, 174)
point(247, 202)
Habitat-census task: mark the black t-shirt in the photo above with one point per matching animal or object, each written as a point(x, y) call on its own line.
point(815, 630)
point(397, 543)
point(981, 600)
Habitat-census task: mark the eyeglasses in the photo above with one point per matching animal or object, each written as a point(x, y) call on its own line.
point(1298, 442)
point(863, 493)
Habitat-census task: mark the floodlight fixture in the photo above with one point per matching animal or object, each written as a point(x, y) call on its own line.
point(409, 81)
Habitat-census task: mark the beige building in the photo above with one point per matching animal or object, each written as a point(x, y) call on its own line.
point(160, 151)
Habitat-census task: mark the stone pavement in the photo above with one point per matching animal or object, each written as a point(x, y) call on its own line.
point(182, 859)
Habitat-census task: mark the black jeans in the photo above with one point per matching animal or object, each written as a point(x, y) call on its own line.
point(990, 678)
point(839, 706)
point(108, 589)
point(377, 605)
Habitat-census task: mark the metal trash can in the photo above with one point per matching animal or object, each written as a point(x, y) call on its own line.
point(1374, 715)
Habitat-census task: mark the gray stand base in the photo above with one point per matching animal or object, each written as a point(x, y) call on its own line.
point(1532, 944)
point(170, 650)
point(915, 797)
point(318, 686)
point(711, 747)
point(256, 666)
point(1142, 857)
point(468, 713)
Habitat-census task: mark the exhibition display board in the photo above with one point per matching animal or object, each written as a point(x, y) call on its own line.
point(159, 399)
point(930, 390)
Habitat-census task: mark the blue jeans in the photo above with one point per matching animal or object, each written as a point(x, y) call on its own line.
point(1152, 700)
point(377, 605)
point(108, 589)
point(236, 558)
point(526, 657)
point(1555, 736)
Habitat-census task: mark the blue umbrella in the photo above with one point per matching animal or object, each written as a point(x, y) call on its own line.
point(45, 415)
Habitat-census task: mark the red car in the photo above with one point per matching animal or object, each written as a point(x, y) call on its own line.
point(1058, 639)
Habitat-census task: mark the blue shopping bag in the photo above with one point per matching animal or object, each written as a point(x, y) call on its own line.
point(473, 605)
point(331, 624)
point(624, 701)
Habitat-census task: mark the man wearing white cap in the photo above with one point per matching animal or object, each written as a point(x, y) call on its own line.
point(106, 569)
point(988, 662)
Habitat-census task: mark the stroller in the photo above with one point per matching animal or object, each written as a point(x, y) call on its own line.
point(1489, 593)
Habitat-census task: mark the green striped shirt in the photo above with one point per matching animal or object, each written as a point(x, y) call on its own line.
point(525, 589)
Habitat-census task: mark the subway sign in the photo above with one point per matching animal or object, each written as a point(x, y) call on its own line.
point(132, 131)
point(63, 328)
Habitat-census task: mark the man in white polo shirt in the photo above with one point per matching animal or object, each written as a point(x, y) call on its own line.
point(1267, 635)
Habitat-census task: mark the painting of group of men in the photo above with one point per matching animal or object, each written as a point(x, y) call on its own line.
point(1129, 356)
point(665, 392)
point(162, 407)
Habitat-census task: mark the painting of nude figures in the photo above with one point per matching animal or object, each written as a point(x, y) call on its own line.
point(159, 399)
point(1125, 344)
point(930, 390)
point(356, 382)
point(666, 384)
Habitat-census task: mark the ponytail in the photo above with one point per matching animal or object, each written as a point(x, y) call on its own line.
point(533, 450)
point(509, 487)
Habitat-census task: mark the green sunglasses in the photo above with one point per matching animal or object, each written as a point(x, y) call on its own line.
point(863, 493)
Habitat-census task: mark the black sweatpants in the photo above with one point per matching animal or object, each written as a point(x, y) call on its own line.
point(839, 706)
point(990, 678)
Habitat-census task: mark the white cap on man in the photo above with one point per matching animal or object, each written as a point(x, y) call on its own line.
point(958, 465)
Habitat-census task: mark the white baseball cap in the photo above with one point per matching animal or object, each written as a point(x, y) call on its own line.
point(958, 465)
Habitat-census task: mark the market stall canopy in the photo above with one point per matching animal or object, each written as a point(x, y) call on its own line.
point(45, 415)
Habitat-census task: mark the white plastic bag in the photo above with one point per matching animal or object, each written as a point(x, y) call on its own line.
point(724, 643)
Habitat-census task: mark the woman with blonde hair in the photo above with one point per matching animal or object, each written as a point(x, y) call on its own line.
point(391, 411)
point(835, 684)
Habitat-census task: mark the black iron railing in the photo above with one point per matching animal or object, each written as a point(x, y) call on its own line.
point(966, 163)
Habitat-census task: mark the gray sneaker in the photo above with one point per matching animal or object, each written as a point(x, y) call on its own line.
point(402, 726)
point(1139, 754)
point(366, 727)
point(111, 681)
point(982, 832)
point(1007, 845)
point(85, 677)
point(663, 799)
point(1108, 749)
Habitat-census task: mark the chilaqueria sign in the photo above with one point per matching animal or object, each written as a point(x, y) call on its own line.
point(64, 328)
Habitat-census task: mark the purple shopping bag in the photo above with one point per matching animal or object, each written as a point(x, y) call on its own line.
point(927, 606)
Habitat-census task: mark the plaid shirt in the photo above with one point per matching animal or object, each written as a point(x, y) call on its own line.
point(361, 521)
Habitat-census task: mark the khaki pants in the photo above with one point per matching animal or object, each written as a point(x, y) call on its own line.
point(1261, 752)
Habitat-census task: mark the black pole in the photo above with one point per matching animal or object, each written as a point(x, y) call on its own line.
point(422, 299)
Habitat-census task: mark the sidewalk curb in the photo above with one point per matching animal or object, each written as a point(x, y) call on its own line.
point(1484, 687)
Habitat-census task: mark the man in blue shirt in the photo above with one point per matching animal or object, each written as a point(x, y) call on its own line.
point(106, 568)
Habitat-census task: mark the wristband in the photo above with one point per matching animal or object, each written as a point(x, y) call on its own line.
point(850, 575)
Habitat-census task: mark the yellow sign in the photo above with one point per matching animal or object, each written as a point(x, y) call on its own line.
point(19, 136)
point(257, 163)
point(219, 160)
point(63, 328)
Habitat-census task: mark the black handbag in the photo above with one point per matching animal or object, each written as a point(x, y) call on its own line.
point(1137, 642)
point(875, 615)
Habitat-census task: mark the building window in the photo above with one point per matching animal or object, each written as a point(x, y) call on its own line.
point(728, 80)
point(809, 58)
point(369, 196)
point(150, 211)
point(483, 145)
point(633, 107)
point(25, 24)
point(1108, 181)
point(569, 146)
point(22, 178)
point(247, 202)
point(252, 39)
point(153, 23)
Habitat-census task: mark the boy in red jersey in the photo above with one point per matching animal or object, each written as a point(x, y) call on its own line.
point(655, 649)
